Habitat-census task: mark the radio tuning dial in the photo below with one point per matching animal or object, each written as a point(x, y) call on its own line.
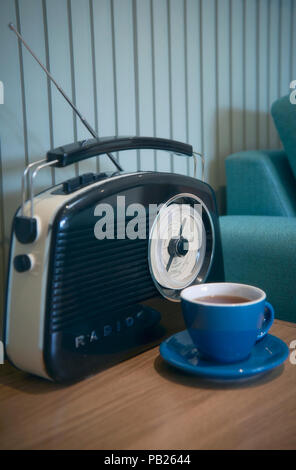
point(178, 246)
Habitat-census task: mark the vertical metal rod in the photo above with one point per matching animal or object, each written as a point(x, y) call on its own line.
point(194, 154)
point(31, 165)
point(33, 176)
point(83, 120)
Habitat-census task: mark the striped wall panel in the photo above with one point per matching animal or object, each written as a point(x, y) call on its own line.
point(202, 71)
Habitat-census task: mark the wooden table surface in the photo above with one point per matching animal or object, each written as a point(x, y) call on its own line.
point(143, 403)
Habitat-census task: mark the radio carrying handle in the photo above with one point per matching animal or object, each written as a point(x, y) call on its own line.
point(78, 151)
point(75, 152)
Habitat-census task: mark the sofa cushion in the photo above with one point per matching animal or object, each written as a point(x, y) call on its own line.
point(260, 182)
point(261, 251)
point(284, 116)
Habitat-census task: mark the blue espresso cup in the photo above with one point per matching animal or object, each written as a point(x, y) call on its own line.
point(226, 332)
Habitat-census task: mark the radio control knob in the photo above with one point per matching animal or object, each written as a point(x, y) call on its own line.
point(23, 263)
point(25, 228)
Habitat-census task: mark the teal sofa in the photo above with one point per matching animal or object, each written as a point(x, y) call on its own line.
point(259, 230)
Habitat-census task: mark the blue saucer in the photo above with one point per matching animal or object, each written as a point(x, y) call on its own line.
point(179, 351)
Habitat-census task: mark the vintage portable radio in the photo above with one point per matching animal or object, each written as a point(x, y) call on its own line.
point(78, 302)
point(98, 262)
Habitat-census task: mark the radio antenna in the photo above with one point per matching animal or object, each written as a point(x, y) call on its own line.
point(75, 109)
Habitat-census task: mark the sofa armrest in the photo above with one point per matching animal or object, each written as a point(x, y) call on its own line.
point(260, 182)
point(261, 251)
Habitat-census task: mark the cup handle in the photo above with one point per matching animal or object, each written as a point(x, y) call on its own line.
point(267, 322)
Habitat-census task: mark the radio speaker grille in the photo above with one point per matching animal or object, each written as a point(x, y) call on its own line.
point(94, 278)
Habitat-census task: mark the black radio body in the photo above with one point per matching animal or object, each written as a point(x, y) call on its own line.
point(78, 302)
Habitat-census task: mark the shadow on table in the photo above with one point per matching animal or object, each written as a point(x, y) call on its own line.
point(18, 380)
point(178, 376)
